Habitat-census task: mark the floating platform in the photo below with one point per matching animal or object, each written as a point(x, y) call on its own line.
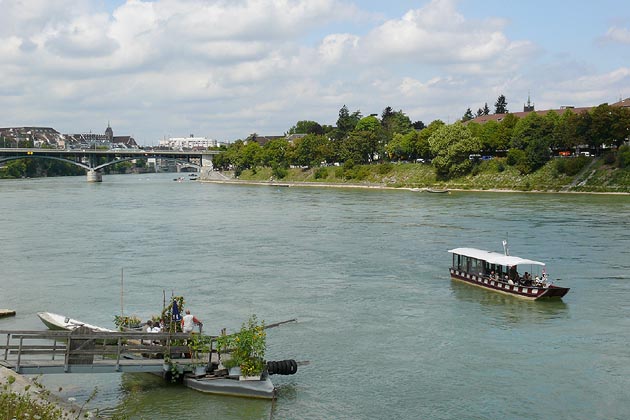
point(6, 312)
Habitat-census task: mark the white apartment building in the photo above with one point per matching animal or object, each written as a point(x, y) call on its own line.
point(190, 143)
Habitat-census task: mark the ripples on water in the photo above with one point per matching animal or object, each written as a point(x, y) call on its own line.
point(388, 334)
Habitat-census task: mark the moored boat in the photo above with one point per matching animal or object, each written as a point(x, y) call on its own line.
point(262, 388)
point(499, 273)
point(59, 322)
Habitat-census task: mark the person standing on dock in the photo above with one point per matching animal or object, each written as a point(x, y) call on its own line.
point(189, 321)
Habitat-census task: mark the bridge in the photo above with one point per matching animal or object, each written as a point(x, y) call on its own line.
point(91, 159)
point(86, 351)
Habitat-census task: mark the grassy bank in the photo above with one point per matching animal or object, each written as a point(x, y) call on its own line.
point(592, 176)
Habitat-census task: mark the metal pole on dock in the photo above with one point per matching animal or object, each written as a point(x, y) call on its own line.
point(122, 277)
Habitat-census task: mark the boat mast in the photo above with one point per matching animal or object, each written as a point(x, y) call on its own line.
point(506, 250)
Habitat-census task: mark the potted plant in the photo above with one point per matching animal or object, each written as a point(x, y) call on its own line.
point(127, 322)
point(246, 349)
point(199, 346)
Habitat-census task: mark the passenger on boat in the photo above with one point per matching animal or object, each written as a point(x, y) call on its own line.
point(148, 326)
point(189, 321)
point(513, 273)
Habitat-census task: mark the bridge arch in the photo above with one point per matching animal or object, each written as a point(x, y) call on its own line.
point(80, 164)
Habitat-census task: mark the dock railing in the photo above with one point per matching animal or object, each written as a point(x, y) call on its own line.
point(84, 350)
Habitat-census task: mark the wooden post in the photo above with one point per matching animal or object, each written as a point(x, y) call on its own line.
point(17, 367)
point(81, 344)
point(118, 354)
point(6, 349)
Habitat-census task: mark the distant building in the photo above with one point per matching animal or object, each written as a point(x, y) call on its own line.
point(625, 103)
point(39, 136)
point(188, 143)
point(106, 140)
point(529, 107)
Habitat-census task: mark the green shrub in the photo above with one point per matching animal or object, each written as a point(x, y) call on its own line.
point(321, 173)
point(609, 158)
point(516, 157)
point(623, 157)
point(385, 168)
point(279, 172)
point(571, 166)
point(339, 172)
point(361, 173)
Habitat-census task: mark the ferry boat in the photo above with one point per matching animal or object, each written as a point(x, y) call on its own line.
point(500, 273)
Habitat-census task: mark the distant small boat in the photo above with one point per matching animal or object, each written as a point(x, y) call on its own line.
point(60, 322)
point(180, 179)
point(431, 190)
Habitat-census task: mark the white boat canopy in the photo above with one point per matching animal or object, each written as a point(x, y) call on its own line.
point(494, 257)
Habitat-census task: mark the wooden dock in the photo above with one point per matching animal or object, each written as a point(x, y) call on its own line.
point(86, 351)
point(6, 312)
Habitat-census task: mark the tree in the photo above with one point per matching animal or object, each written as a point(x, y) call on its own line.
point(395, 122)
point(534, 135)
point(366, 142)
point(311, 150)
point(479, 113)
point(452, 146)
point(486, 110)
point(346, 122)
point(275, 152)
point(601, 130)
point(306, 127)
point(418, 125)
point(468, 115)
point(500, 107)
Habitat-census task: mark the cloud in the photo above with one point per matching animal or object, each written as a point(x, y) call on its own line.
point(618, 35)
point(438, 34)
point(164, 67)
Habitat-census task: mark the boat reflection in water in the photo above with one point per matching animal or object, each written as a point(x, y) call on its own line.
point(507, 310)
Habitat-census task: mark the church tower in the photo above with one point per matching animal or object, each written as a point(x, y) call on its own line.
point(529, 107)
point(109, 133)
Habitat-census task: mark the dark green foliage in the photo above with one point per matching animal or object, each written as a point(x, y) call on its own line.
point(279, 172)
point(515, 157)
point(609, 158)
point(571, 166)
point(385, 168)
point(468, 115)
point(321, 173)
point(500, 107)
point(623, 157)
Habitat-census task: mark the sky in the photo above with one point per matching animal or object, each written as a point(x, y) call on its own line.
point(225, 69)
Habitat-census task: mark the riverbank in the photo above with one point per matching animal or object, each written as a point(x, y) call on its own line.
point(287, 183)
point(582, 175)
point(41, 400)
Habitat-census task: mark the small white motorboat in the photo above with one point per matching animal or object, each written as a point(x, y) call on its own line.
point(60, 322)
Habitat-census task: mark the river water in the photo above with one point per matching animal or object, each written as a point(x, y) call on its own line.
point(365, 272)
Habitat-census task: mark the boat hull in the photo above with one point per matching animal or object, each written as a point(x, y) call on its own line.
point(60, 322)
point(252, 389)
point(520, 291)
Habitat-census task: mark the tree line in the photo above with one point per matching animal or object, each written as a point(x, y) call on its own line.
point(527, 143)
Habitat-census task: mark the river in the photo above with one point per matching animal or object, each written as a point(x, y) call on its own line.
point(365, 272)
